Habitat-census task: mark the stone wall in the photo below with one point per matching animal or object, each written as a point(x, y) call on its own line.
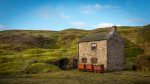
point(86, 52)
point(115, 52)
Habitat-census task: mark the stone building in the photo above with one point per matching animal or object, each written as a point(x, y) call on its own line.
point(105, 48)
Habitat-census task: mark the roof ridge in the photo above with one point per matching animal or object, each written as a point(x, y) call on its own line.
point(96, 37)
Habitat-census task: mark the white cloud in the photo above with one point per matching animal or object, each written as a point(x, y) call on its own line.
point(134, 20)
point(103, 25)
point(90, 8)
point(48, 13)
point(87, 9)
point(79, 24)
point(97, 6)
point(44, 13)
point(2, 27)
point(64, 16)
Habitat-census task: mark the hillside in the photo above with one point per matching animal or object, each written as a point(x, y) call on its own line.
point(30, 51)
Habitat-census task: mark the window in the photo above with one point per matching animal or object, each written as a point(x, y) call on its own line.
point(93, 46)
point(94, 60)
point(84, 60)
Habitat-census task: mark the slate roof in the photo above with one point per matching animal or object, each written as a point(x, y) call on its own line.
point(96, 37)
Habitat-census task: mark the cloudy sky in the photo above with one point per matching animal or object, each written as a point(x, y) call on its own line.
point(64, 14)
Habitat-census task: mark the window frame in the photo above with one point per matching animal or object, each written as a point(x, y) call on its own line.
point(93, 46)
point(84, 60)
point(94, 60)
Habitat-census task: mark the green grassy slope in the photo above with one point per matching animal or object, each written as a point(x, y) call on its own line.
point(26, 50)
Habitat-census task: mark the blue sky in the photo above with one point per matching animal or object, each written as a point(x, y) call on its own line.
point(64, 14)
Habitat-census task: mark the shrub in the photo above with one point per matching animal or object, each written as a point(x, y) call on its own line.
point(143, 62)
point(6, 52)
point(4, 59)
point(144, 35)
point(44, 42)
point(131, 49)
point(8, 68)
point(131, 53)
point(34, 51)
point(41, 67)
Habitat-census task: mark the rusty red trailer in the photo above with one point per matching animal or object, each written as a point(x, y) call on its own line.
point(81, 66)
point(91, 67)
point(98, 68)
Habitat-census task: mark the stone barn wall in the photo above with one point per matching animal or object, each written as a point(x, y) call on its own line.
point(86, 52)
point(115, 52)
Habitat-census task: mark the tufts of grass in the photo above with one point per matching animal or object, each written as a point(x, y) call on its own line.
point(40, 68)
point(35, 51)
point(143, 62)
point(9, 68)
point(78, 77)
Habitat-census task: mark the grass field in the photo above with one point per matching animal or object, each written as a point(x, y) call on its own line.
point(78, 77)
point(32, 51)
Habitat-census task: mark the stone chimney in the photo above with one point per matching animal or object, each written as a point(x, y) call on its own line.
point(114, 28)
